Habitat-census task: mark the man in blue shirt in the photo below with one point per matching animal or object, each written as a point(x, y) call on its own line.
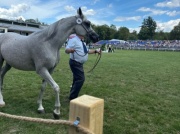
point(78, 56)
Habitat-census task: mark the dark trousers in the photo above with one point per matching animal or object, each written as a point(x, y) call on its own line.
point(78, 78)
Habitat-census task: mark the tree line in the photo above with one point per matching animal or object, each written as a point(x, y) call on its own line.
point(148, 31)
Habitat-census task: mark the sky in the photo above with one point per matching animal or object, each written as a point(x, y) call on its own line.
point(121, 13)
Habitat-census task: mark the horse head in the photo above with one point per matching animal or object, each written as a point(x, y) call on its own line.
point(84, 28)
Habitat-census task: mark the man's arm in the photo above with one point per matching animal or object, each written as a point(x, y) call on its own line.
point(69, 50)
point(94, 51)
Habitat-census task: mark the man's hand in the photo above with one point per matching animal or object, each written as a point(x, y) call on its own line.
point(97, 51)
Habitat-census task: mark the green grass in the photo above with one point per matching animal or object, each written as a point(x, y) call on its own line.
point(141, 90)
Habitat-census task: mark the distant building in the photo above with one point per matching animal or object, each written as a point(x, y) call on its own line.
point(19, 26)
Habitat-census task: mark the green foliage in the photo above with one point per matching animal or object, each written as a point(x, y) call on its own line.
point(141, 91)
point(35, 21)
point(133, 36)
point(161, 35)
point(147, 29)
point(143, 34)
point(123, 33)
point(175, 33)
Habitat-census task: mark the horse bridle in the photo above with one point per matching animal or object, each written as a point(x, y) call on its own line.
point(89, 32)
point(80, 22)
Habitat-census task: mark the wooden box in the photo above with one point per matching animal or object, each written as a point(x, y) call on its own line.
point(90, 111)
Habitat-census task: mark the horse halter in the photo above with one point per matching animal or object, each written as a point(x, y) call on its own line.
point(80, 22)
point(89, 32)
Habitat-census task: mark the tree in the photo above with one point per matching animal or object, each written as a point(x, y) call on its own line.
point(123, 33)
point(133, 35)
point(112, 31)
point(161, 35)
point(148, 28)
point(175, 33)
point(37, 21)
point(102, 31)
point(105, 32)
point(143, 34)
point(30, 21)
point(113, 27)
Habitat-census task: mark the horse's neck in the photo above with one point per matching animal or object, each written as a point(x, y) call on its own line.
point(60, 31)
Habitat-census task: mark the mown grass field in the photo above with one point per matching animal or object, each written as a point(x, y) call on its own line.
point(141, 90)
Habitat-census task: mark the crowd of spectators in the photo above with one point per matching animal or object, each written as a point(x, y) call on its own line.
point(155, 43)
point(150, 44)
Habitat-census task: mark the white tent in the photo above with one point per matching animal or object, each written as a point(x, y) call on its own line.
point(121, 41)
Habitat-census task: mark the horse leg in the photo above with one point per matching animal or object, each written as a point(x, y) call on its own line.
point(41, 108)
point(43, 87)
point(6, 68)
point(2, 103)
point(44, 73)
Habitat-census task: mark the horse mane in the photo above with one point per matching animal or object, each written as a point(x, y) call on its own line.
point(46, 32)
point(51, 30)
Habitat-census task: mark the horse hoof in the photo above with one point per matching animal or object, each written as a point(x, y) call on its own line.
point(56, 116)
point(2, 104)
point(41, 111)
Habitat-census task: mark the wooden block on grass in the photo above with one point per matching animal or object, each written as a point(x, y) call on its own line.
point(90, 111)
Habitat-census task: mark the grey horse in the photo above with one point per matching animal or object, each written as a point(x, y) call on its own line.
point(40, 52)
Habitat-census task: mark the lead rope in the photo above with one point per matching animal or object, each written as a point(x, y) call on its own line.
point(96, 62)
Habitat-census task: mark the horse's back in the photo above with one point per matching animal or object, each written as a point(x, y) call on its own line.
point(10, 38)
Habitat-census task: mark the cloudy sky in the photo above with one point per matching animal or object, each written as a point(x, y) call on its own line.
point(126, 13)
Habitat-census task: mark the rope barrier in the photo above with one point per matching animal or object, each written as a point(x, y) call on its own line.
point(46, 121)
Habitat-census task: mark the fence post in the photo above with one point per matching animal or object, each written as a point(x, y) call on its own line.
point(89, 111)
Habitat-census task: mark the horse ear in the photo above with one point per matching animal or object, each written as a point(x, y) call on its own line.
point(79, 11)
